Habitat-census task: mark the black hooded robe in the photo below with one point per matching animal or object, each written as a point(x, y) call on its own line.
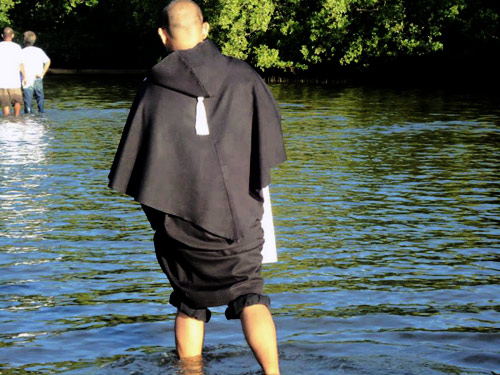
point(206, 186)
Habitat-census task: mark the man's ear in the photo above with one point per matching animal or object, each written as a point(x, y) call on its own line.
point(205, 29)
point(162, 32)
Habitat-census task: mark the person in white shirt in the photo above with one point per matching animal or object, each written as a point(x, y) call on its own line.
point(11, 73)
point(36, 63)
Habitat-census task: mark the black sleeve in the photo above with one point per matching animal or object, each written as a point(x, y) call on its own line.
point(268, 149)
point(129, 146)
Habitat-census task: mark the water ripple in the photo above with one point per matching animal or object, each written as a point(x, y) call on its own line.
point(386, 213)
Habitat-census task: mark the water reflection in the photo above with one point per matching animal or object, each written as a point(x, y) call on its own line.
point(387, 218)
point(23, 141)
point(23, 145)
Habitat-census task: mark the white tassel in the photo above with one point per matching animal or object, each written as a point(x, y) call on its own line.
point(269, 251)
point(201, 118)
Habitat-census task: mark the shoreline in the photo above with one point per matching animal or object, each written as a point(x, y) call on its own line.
point(390, 76)
point(58, 71)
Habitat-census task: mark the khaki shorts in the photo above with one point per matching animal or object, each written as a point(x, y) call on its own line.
point(10, 97)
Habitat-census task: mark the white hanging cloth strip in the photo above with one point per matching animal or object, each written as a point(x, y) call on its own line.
point(201, 118)
point(269, 251)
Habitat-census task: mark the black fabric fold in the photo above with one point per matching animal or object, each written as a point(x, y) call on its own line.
point(210, 181)
point(202, 314)
point(235, 308)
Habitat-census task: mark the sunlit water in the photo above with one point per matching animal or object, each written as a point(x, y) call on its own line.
point(388, 224)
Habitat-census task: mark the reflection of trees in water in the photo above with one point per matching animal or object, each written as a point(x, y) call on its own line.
point(386, 224)
point(385, 189)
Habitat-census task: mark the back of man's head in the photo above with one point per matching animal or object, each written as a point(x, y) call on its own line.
point(183, 21)
point(8, 33)
point(29, 38)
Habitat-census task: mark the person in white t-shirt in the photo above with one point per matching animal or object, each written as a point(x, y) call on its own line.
point(36, 63)
point(11, 73)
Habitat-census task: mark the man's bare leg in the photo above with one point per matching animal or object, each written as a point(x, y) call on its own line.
point(6, 111)
point(17, 109)
point(189, 335)
point(260, 333)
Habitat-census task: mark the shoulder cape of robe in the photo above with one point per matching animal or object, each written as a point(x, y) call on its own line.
point(213, 180)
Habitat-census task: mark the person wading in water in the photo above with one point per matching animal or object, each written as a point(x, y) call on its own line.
point(201, 138)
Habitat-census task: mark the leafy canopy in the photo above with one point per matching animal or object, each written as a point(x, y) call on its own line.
point(282, 35)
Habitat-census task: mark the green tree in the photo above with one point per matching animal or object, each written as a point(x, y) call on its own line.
point(276, 35)
point(241, 28)
point(355, 32)
point(5, 6)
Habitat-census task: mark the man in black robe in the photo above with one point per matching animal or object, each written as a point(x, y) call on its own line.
point(196, 152)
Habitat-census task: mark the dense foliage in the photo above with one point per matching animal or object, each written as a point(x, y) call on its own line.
point(280, 35)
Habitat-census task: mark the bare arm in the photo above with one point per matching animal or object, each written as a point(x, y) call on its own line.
point(45, 68)
point(23, 74)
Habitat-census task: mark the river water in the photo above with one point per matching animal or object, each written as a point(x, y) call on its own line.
point(387, 216)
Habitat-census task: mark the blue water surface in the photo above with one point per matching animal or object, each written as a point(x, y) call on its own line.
point(387, 216)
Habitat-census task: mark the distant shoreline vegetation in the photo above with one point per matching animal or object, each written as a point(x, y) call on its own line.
point(290, 40)
point(414, 72)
